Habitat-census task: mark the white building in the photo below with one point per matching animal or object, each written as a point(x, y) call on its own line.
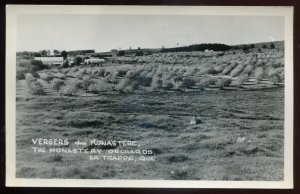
point(93, 61)
point(50, 60)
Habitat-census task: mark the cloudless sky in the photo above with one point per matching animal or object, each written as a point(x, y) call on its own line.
point(105, 32)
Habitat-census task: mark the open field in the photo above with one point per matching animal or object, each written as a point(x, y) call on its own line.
point(238, 98)
point(159, 121)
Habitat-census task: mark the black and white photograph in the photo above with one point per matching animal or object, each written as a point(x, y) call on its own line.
point(142, 96)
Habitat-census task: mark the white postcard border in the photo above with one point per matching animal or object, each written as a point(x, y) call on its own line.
point(11, 14)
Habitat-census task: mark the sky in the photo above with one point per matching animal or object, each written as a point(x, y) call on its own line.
point(105, 32)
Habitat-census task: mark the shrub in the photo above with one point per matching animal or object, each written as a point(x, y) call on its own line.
point(45, 76)
point(23, 63)
point(34, 86)
point(177, 84)
point(191, 71)
point(121, 73)
point(21, 71)
point(78, 60)
point(277, 64)
point(101, 72)
point(59, 75)
point(223, 82)
point(212, 70)
point(36, 65)
point(112, 77)
point(86, 83)
point(272, 46)
point(65, 64)
point(241, 79)
point(65, 71)
point(35, 74)
point(166, 81)
point(258, 73)
point(276, 75)
point(248, 69)
point(75, 69)
point(275, 78)
point(57, 84)
point(228, 68)
point(237, 70)
point(93, 89)
point(131, 86)
point(188, 82)
point(82, 71)
point(30, 77)
point(69, 90)
point(219, 68)
point(144, 80)
point(132, 80)
point(207, 80)
point(156, 82)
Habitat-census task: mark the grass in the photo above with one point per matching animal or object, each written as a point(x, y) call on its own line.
point(159, 122)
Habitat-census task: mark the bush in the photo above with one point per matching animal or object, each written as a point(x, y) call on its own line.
point(212, 70)
point(237, 70)
point(166, 81)
point(207, 80)
point(45, 76)
point(36, 65)
point(23, 63)
point(75, 69)
point(21, 71)
point(86, 83)
point(131, 86)
point(30, 77)
point(144, 80)
point(258, 73)
point(223, 82)
point(101, 72)
point(276, 75)
point(177, 84)
point(112, 77)
point(65, 71)
point(241, 79)
point(57, 84)
point(188, 82)
point(219, 68)
point(131, 81)
point(228, 68)
point(35, 74)
point(69, 90)
point(65, 64)
point(78, 60)
point(34, 86)
point(275, 78)
point(156, 82)
point(59, 75)
point(248, 69)
point(121, 73)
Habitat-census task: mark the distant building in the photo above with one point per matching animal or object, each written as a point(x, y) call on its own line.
point(93, 61)
point(50, 60)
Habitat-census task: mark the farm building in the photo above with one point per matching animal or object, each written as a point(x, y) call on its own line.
point(50, 60)
point(93, 61)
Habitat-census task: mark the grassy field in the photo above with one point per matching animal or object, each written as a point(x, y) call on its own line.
point(236, 97)
point(160, 122)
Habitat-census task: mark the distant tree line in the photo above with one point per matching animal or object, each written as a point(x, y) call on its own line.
point(198, 47)
point(80, 52)
point(247, 47)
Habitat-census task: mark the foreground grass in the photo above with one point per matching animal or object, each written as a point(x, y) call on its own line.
point(160, 122)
